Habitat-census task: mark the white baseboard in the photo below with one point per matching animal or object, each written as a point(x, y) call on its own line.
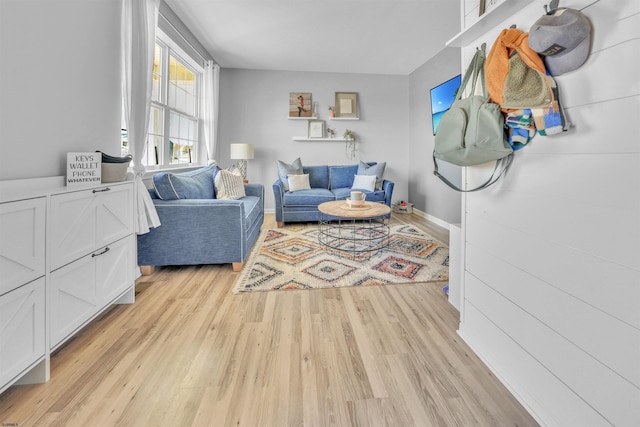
point(432, 218)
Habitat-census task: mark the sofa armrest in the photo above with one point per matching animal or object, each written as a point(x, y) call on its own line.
point(254, 190)
point(387, 187)
point(278, 195)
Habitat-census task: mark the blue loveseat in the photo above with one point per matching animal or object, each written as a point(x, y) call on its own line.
point(200, 229)
point(328, 183)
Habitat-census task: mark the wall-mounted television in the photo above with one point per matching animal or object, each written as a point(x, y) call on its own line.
point(442, 96)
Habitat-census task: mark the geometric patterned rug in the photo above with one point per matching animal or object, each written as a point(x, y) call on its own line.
point(291, 258)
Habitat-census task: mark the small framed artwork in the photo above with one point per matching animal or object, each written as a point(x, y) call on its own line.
point(347, 104)
point(300, 105)
point(316, 128)
point(481, 7)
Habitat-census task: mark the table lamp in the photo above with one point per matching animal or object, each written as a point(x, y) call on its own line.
point(242, 153)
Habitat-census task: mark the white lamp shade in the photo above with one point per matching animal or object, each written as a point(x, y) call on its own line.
point(241, 151)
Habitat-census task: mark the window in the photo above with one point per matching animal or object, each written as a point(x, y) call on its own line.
point(172, 137)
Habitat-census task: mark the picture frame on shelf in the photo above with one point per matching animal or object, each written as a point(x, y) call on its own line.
point(316, 129)
point(300, 105)
point(346, 104)
point(481, 7)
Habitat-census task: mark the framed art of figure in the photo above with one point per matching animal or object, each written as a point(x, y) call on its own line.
point(300, 105)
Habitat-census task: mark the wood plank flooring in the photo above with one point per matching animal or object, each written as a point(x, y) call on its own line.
point(190, 353)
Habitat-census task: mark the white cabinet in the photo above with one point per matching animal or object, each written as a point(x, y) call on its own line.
point(22, 287)
point(65, 256)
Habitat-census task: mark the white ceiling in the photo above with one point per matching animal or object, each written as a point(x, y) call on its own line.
point(350, 36)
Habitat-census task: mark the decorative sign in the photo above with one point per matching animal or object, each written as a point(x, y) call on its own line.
point(84, 169)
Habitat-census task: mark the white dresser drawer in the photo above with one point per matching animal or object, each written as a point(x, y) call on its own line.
point(82, 289)
point(22, 329)
point(87, 220)
point(22, 240)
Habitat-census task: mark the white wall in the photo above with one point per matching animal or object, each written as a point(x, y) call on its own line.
point(427, 192)
point(59, 83)
point(552, 252)
point(254, 109)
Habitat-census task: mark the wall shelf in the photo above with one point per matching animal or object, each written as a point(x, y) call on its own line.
point(344, 118)
point(302, 118)
point(304, 138)
point(487, 22)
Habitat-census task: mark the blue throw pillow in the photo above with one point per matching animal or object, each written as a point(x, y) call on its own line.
point(285, 169)
point(197, 184)
point(377, 170)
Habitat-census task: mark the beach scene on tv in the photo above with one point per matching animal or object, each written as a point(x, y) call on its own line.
point(442, 96)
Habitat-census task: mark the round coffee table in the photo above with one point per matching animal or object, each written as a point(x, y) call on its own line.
point(355, 232)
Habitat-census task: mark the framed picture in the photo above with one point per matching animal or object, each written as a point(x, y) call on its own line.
point(300, 105)
point(316, 128)
point(346, 104)
point(481, 7)
point(442, 96)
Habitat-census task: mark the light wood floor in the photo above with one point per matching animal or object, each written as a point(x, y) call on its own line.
point(190, 353)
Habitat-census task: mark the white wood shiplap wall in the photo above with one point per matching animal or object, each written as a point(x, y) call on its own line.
point(551, 295)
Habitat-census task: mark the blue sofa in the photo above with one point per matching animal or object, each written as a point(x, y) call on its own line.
point(328, 183)
point(199, 230)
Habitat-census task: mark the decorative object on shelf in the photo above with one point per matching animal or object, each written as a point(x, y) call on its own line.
point(442, 96)
point(242, 153)
point(485, 6)
point(300, 104)
point(332, 111)
point(114, 169)
point(331, 133)
point(83, 169)
point(350, 144)
point(346, 104)
point(316, 129)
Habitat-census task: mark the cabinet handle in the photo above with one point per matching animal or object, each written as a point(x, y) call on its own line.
point(101, 191)
point(101, 253)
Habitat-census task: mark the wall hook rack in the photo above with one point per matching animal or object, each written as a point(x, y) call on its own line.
point(553, 5)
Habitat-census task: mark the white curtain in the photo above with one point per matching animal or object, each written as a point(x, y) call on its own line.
point(139, 22)
point(210, 101)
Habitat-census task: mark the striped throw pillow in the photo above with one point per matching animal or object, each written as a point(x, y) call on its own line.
point(229, 185)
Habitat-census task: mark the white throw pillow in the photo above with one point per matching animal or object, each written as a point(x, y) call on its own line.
point(364, 182)
point(229, 185)
point(299, 182)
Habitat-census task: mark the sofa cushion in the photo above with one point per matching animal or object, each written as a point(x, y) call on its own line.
point(372, 196)
point(342, 176)
point(299, 182)
point(376, 169)
point(229, 185)
point(312, 197)
point(284, 169)
point(318, 176)
point(364, 182)
point(196, 184)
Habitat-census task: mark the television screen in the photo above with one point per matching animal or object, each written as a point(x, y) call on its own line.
point(442, 97)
